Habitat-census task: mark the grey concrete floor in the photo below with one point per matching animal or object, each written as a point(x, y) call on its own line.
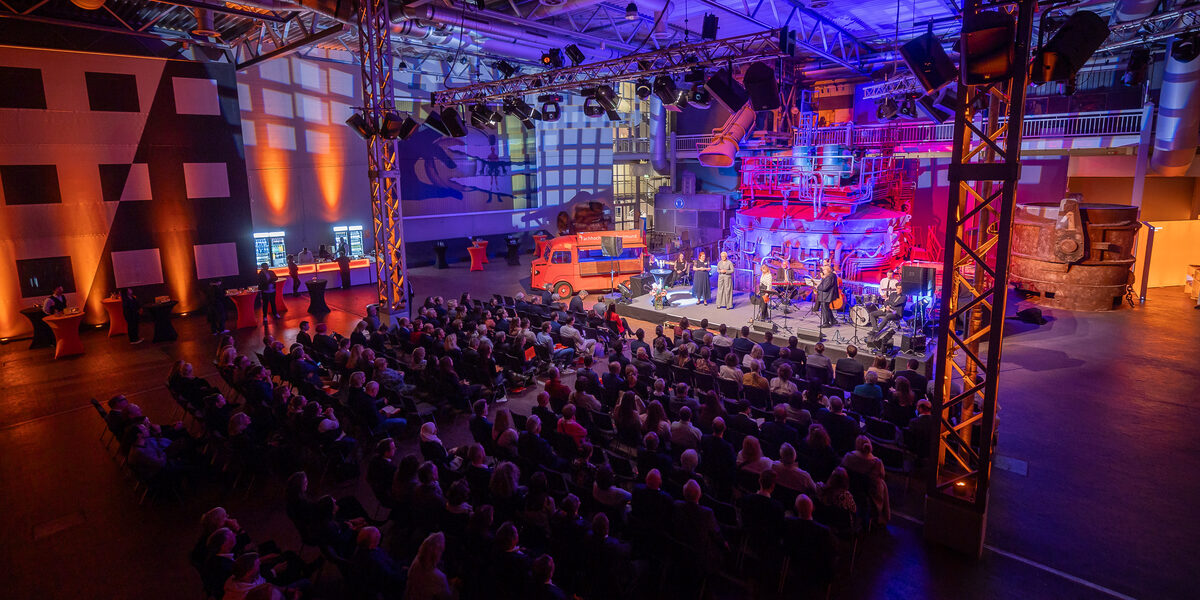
point(1099, 409)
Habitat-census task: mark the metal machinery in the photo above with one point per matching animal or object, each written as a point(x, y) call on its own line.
point(816, 202)
point(983, 177)
point(379, 99)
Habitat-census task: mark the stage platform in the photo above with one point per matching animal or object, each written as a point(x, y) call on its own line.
point(801, 322)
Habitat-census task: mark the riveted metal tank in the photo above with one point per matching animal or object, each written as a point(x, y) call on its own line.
point(1073, 255)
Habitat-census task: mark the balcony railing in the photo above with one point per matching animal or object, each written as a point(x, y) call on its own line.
point(1103, 123)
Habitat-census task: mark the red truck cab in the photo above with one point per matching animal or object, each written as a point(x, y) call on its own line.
point(571, 263)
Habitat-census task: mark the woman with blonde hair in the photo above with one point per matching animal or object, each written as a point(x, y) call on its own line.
point(425, 580)
point(755, 356)
point(751, 457)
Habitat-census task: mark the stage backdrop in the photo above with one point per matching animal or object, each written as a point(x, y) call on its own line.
point(117, 170)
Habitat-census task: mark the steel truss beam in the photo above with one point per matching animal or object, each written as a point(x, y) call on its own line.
point(335, 29)
point(674, 60)
point(893, 87)
point(379, 98)
point(983, 177)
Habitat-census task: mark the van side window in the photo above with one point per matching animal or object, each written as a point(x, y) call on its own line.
point(562, 257)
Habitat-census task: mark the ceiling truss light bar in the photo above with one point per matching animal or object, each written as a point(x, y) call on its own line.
point(667, 61)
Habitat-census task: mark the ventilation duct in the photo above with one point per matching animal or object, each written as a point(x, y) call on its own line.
point(724, 147)
point(1178, 129)
point(1132, 10)
point(204, 24)
point(658, 138)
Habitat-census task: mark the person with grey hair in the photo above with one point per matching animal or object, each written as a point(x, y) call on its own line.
point(533, 447)
point(789, 474)
point(869, 388)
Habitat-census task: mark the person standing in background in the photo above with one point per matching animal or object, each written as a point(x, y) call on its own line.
point(266, 290)
point(323, 253)
point(343, 262)
point(130, 307)
point(216, 307)
point(724, 282)
point(56, 303)
point(294, 273)
point(305, 257)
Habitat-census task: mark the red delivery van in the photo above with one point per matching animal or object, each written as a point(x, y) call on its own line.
point(571, 263)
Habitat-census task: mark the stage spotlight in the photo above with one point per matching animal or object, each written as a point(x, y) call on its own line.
point(1072, 45)
point(613, 115)
point(520, 109)
point(928, 61)
point(642, 88)
point(607, 98)
point(434, 122)
point(1135, 71)
point(552, 58)
point(591, 107)
point(908, 108)
point(709, 31)
point(453, 122)
point(575, 54)
point(1185, 49)
point(989, 54)
point(506, 69)
point(631, 12)
point(484, 117)
point(551, 111)
point(699, 97)
point(887, 109)
point(664, 88)
point(364, 128)
point(392, 124)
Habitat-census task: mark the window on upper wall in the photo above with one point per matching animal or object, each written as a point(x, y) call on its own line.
point(30, 184)
point(112, 92)
point(22, 88)
point(39, 276)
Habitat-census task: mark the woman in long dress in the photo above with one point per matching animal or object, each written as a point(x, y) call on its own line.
point(700, 284)
point(725, 282)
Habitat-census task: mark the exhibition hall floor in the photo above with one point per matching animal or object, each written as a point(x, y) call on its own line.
point(1093, 495)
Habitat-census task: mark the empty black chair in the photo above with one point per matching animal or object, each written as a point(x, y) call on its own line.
point(757, 397)
point(865, 405)
point(730, 389)
point(681, 375)
point(847, 381)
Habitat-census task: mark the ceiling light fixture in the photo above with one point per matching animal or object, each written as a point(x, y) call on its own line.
point(631, 12)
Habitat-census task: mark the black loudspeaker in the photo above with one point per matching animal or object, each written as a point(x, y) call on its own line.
point(918, 281)
point(913, 344)
point(928, 62)
point(726, 90)
point(640, 285)
point(434, 122)
point(1072, 45)
point(884, 339)
point(990, 51)
point(761, 85)
point(611, 245)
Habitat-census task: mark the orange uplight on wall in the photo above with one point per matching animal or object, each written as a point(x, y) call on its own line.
point(275, 182)
point(329, 179)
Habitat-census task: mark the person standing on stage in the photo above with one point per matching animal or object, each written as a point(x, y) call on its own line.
point(679, 270)
point(130, 308)
point(765, 284)
point(266, 290)
point(56, 303)
point(294, 273)
point(725, 282)
point(700, 285)
point(827, 294)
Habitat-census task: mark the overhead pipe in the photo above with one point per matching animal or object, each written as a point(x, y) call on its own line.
point(1178, 130)
point(724, 147)
point(658, 137)
point(449, 39)
point(1132, 10)
point(660, 10)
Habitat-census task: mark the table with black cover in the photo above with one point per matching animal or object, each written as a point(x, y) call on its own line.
point(316, 296)
point(43, 336)
point(160, 313)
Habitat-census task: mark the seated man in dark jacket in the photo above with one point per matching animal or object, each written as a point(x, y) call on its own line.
point(375, 571)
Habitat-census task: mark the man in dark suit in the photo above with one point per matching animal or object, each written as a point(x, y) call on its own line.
point(609, 568)
point(576, 303)
point(650, 506)
point(850, 367)
point(480, 426)
point(810, 544)
point(842, 428)
point(509, 564)
point(533, 447)
point(650, 457)
point(827, 294)
point(915, 378)
point(542, 575)
point(696, 526)
point(785, 358)
point(921, 429)
point(640, 342)
point(266, 291)
point(303, 337)
point(762, 515)
point(743, 343)
point(770, 350)
point(545, 413)
point(777, 433)
point(741, 421)
point(891, 310)
point(717, 456)
point(588, 373)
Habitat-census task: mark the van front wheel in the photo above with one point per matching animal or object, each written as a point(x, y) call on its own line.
point(563, 289)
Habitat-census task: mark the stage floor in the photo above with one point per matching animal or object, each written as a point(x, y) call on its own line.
point(801, 322)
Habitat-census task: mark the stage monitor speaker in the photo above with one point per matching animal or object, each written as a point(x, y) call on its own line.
point(1072, 45)
point(611, 245)
point(919, 281)
point(913, 343)
point(640, 285)
point(928, 62)
point(883, 340)
point(760, 83)
point(726, 90)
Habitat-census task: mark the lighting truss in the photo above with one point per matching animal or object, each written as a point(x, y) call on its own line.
point(983, 174)
point(379, 97)
point(1153, 28)
point(667, 61)
point(899, 86)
